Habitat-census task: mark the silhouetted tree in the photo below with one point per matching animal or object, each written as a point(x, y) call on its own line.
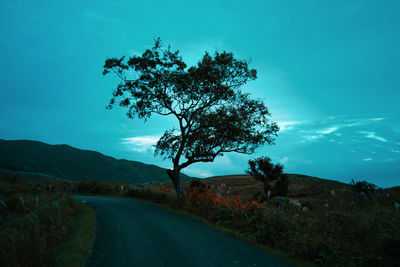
point(262, 169)
point(213, 115)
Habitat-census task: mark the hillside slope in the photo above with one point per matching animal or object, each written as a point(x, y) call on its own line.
point(300, 186)
point(66, 162)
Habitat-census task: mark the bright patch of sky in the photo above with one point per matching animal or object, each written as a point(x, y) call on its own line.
point(328, 71)
point(141, 143)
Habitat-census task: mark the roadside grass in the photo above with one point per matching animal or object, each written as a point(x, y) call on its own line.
point(31, 226)
point(37, 216)
point(74, 250)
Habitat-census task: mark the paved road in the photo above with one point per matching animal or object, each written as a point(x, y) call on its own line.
point(134, 233)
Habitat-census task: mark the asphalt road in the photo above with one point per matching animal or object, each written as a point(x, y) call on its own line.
point(134, 233)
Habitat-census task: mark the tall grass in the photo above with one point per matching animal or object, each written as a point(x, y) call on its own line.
point(32, 222)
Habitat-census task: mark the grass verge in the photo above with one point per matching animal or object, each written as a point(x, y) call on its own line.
point(75, 248)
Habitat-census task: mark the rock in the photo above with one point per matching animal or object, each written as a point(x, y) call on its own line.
point(269, 194)
point(326, 205)
point(332, 192)
point(305, 209)
point(396, 205)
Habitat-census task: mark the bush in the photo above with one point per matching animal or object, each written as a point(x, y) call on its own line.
point(101, 188)
point(151, 195)
point(281, 186)
point(259, 196)
point(365, 188)
point(262, 169)
point(197, 183)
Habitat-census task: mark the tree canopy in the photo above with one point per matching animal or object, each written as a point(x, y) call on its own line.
point(262, 169)
point(213, 115)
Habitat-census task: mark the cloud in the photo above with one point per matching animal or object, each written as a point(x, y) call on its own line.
point(372, 135)
point(284, 160)
point(367, 159)
point(395, 151)
point(312, 137)
point(287, 125)
point(317, 134)
point(196, 172)
point(328, 130)
point(360, 122)
point(140, 143)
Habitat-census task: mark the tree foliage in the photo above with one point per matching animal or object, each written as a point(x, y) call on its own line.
point(262, 169)
point(213, 115)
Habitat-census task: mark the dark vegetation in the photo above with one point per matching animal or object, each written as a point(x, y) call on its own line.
point(319, 221)
point(75, 248)
point(262, 169)
point(213, 115)
point(34, 216)
point(66, 162)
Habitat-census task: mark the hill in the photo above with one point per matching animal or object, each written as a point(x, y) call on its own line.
point(314, 193)
point(66, 162)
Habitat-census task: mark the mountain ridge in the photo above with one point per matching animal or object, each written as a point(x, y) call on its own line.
point(67, 162)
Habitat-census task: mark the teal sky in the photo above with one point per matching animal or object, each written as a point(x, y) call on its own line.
point(328, 71)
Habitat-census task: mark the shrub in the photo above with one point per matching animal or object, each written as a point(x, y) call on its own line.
point(197, 183)
point(363, 187)
point(259, 196)
point(269, 225)
point(101, 188)
point(262, 169)
point(151, 195)
point(281, 186)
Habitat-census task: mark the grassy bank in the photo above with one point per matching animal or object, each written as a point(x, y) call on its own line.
point(37, 222)
point(75, 248)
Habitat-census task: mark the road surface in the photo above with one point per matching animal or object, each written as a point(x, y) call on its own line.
point(135, 233)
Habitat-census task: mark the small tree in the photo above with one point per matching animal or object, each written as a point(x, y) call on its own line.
point(262, 169)
point(213, 115)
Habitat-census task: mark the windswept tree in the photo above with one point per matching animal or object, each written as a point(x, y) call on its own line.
point(213, 115)
point(262, 169)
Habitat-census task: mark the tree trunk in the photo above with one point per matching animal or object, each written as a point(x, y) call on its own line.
point(174, 175)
